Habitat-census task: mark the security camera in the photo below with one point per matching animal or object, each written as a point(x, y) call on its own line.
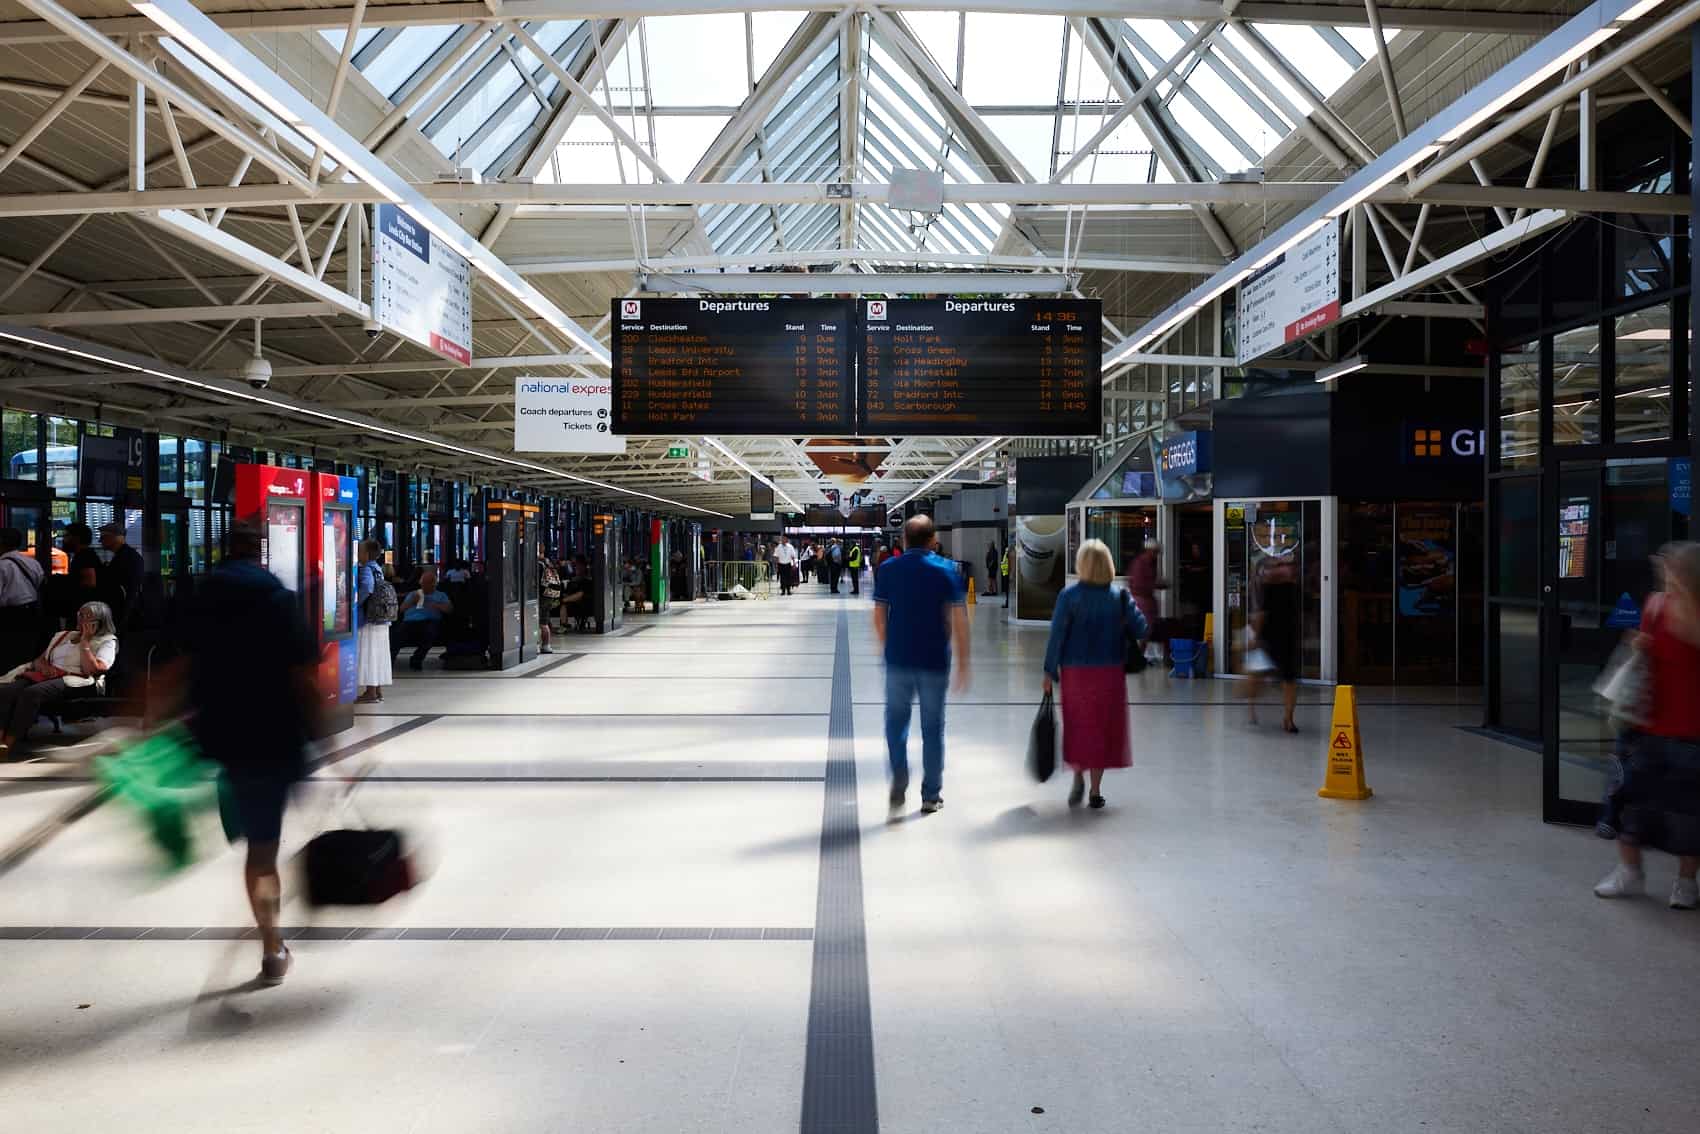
point(372, 328)
point(257, 372)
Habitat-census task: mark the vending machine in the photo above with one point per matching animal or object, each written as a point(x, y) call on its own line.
point(278, 502)
point(333, 610)
point(531, 605)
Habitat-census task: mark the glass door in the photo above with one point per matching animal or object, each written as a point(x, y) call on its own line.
point(1608, 517)
point(1257, 536)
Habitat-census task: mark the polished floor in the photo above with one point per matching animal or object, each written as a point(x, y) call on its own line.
point(663, 896)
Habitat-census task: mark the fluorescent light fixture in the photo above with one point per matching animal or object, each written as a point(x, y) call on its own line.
point(1342, 368)
point(739, 461)
point(1382, 181)
point(1636, 11)
point(230, 390)
point(950, 468)
point(1558, 63)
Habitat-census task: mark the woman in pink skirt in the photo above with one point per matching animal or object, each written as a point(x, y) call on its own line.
point(1090, 632)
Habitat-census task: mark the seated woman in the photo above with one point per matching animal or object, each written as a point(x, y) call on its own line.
point(72, 666)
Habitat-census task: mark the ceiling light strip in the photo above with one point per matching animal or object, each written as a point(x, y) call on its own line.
point(739, 461)
point(224, 389)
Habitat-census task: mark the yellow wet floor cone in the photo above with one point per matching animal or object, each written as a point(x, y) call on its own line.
point(1344, 778)
point(972, 601)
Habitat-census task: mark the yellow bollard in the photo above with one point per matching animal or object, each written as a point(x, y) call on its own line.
point(972, 601)
point(1344, 778)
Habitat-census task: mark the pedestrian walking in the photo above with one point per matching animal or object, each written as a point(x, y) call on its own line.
point(921, 620)
point(1091, 630)
point(251, 685)
point(1275, 627)
point(374, 668)
point(1655, 798)
point(992, 568)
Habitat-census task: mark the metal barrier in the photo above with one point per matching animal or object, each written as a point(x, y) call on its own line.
point(721, 577)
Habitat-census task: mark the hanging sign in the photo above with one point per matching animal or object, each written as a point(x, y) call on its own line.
point(421, 288)
point(1293, 297)
point(565, 415)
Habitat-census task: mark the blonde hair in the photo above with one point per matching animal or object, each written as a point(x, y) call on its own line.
point(1093, 563)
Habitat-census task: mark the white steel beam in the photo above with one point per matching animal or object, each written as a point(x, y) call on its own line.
point(130, 316)
point(857, 282)
point(1515, 233)
point(549, 266)
point(1482, 20)
point(237, 251)
point(220, 50)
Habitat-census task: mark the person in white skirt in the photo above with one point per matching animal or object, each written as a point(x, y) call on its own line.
point(374, 670)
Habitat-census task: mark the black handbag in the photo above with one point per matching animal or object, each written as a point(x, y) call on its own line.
point(1133, 650)
point(1042, 742)
point(356, 868)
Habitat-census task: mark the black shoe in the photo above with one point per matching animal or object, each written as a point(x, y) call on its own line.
point(1077, 793)
point(1097, 803)
point(899, 790)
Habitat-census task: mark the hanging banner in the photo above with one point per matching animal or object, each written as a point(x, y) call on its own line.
point(565, 415)
point(1296, 295)
point(421, 289)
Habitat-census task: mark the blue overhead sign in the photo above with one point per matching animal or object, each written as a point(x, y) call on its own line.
point(1180, 458)
point(1681, 486)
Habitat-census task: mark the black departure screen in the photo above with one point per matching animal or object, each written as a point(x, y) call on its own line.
point(981, 367)
point(736, 365)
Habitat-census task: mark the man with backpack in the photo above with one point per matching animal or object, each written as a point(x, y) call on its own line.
point(378, 607)
point(834, 565)
point(855, 559)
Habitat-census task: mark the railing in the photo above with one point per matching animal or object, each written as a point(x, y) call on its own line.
point(751, 577)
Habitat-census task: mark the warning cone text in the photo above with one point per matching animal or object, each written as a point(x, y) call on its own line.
point(1344, 760)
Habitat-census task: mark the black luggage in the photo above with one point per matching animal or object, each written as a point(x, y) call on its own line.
point(357, 868)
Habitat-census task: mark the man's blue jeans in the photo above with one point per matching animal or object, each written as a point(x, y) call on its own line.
point(902, 688)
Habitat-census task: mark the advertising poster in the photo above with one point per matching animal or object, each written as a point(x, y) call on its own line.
point(421, 288)
point(283, 544)
point(1295, 296)
point(565, 415)
point(1041, 547)
point(1428, 560)
point(1573, 538)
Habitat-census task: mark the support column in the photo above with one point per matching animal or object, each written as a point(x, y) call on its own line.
point(1693, 227)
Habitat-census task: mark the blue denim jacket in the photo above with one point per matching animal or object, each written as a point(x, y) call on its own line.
point(1089, 627)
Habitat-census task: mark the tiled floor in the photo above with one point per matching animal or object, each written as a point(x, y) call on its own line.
point(629, 846)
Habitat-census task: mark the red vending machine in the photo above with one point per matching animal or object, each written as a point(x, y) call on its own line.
point(286, 507)
point(333, 610)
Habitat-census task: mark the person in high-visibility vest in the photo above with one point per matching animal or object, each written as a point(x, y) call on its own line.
point(854, 561)
point(1004, 582)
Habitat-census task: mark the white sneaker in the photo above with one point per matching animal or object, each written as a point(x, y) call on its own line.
point(1685, 895)
point(1622, 882)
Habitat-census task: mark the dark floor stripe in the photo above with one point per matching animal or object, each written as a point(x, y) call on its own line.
point(554, 665)
point(839, 1094)
point(452, 779)
point(399, 933)
point(337, 755)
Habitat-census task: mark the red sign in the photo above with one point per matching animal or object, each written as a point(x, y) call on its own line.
point(1316, 320)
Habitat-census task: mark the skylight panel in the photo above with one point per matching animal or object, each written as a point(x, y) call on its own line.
point(1011, 59)
point(696, 60)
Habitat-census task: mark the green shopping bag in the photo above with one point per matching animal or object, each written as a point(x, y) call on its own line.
point(163, 778)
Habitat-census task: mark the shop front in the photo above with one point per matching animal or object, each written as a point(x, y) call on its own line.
point(1118, 505)
point(1372, 494)
point(1185, 523)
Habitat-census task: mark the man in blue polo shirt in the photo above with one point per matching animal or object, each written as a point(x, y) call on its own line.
point(919, 615)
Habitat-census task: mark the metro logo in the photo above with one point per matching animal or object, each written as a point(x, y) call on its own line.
point(876, 310)
point(631, 309)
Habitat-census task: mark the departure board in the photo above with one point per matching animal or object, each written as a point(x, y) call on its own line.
point(733, 365)
point(981, 367)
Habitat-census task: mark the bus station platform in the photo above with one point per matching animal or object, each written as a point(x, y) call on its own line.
point(664, 895)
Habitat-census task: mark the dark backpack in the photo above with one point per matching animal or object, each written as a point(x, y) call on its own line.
point(381, 606)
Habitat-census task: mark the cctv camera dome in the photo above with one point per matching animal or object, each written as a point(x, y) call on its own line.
point(257, 370)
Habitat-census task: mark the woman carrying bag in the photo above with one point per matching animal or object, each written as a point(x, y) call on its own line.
point(1092, 628)
point(1656, 798)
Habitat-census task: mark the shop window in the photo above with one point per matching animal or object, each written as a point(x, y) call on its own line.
point(1572, 275)
point(19, 445)
point(1643, 254)
point(1124, 530)
point(1519, 407)
point(1576, 386)
point(62, 456)
point(170, 465)
point(1642, 391)
point(1516, 508)
point(195, 467)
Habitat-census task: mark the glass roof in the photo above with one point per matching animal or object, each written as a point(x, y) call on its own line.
point(1038, 89)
